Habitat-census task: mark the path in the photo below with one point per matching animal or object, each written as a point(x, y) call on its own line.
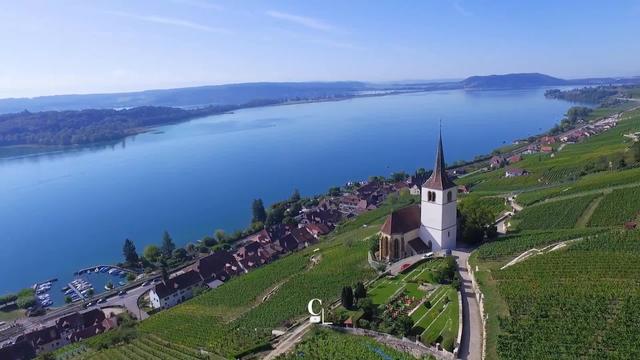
point(289, 341)
point(471, 343)
point(583, 220)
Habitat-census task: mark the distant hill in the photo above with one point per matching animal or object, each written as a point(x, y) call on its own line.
point(231, 94)
point(512, 81)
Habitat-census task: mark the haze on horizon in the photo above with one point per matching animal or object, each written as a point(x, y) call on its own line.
point(73, 46)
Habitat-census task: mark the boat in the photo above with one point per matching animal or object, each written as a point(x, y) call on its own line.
point(122, 283)
point(113, 271)
point(104, 269)
point(96, 270)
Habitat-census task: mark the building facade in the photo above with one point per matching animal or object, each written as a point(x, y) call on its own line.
point(431, 226)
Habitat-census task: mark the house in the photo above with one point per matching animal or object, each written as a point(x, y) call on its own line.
point(463, 189)
point(44, 340)
point(20, 350)
point(548, 140)
point(288, 243)
point(532, 149)
point(175, 290)
point(303, 237)
point(77, 321)
point(496, 161)
point(250, 255)
point(349, 203)
point(514, 159)
point(460, 171)
point(317, 229)
point(546, 149)
point(219, 265)
point(514, 172)
point(414, 190)
point(630, 225)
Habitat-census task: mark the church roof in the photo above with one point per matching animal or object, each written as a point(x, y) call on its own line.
point(439, 179)
point(402, 220)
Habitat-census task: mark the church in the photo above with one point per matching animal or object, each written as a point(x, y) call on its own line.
point(430, 226)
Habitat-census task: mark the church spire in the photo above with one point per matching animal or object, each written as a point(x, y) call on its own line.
point(439, 179)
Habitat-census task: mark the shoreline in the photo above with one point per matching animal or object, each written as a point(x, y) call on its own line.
point(471, 162)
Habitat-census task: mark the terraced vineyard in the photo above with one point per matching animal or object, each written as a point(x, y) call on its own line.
point(148, 347)
point(617, 207)
point(513, 245)
point(583, 302)
point(331, 345)
point(553, 215)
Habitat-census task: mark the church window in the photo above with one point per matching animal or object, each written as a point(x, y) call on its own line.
point(431, 196)
point(449, 196)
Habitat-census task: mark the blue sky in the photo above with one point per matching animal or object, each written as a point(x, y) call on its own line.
point(64, 46)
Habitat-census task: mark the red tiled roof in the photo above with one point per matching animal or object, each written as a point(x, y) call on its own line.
point(402, 220)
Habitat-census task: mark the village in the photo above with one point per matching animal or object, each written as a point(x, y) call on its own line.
point(311, 221)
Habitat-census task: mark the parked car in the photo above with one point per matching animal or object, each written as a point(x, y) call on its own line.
point(122, 292)
point(102, 301)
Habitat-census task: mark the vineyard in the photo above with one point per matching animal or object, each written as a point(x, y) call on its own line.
point(148, 347)
point(617, 208)
point(515, 244)
point(233, 319)
point(582, 302)
point(330, 345)
point(553, 215)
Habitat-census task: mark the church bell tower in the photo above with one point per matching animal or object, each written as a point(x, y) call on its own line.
point(438, 215)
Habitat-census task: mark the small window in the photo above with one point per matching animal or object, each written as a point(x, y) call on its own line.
point(449, 196)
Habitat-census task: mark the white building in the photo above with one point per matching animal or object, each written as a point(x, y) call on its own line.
point(432, 226)
point(174, 291)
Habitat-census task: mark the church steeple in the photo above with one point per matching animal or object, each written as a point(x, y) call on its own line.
point(439, 179)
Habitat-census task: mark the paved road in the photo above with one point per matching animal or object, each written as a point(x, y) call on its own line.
point(471, 343)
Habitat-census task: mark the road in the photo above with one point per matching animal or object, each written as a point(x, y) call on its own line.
point(128, 301)
point(471, 342)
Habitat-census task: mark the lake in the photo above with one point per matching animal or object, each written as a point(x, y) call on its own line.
point(66, 210)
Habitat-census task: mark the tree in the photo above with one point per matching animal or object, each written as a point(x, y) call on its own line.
point(109, 285)
point(151, 253)
point(296, 195)
point(276, 215)
point(334, 191)
point(209, 241)
point(399, 176)
point(180, 254)
point(368, 307)
point(403, 325)
point(360, 292)
point(167, 244)
point(259, 214)
point(129, 252)
point(347, 297)
point(475, 220)
point(374, 244)
point(220, 235)
point(635, 150)
point(163, 270)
